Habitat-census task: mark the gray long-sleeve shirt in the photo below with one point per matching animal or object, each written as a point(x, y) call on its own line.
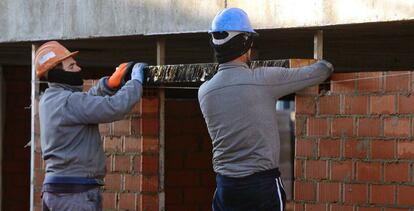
point(70, 139)
point(238, 105)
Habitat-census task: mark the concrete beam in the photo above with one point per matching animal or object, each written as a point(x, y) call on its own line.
point(32, 20)
point(268, 14)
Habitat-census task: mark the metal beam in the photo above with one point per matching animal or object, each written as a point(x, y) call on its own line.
point(34, 91)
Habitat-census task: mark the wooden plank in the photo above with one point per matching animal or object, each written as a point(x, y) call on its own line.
point(318, 45)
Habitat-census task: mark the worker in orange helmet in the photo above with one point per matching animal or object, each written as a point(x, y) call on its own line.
point(239, 108)
point(70, 140)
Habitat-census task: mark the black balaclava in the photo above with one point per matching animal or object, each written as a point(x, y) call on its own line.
point(235, 47)
point(58, 75)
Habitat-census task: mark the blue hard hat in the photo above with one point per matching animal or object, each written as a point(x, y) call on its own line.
point(231, 19)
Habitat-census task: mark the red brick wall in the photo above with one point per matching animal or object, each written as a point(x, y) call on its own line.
point(354, 144)
point(189, 181)
point(132, 149)
point(16, 158)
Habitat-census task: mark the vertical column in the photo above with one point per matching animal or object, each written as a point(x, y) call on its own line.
point(34, 91)
point(318, 45)
point(2, 114)
point(161, 61)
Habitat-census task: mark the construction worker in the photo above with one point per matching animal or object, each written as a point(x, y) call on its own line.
point(239, 108)
point(70, 140)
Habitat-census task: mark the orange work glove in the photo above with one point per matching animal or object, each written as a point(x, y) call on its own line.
point(121, 75)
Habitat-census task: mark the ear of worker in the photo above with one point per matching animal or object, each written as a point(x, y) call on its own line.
point(124, 72)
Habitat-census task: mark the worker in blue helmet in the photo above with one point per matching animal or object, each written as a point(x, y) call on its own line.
point(239, 108)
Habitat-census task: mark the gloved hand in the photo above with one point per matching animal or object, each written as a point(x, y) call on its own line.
point(138, 72)
point(120, 76)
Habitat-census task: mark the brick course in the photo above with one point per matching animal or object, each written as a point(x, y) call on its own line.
point(365, 150)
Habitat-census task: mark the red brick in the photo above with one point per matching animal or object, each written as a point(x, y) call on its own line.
point(199, 161)
point(405, 104)
point(299, 207)
point(132, 182)
point(396, 209)
point(405, 195)
point(341, 170)
point(127, 201)
point(182, 143)
point(113, 182)
point(328, 192)
point(122, 163)
point(368, 171)
point(356, 148)
point(397, 127)
point(369, 127)
point(197, 196)
point(149, 183)
point(112, 144)
point(317, 127)
point(149, 202)
point(329, 148)
point(382, 194)
point(132, 144)
point(329, 105)
point(342, 127)
point(298, 168)
point(356, 105)
point(150, 145)
point(105, 128)
point(305, 148)
point(136, 128)
point(355, 193)
point(174, 160)
point(149, 164)
point(150, 106)
point(316, 207)
point(343, 82)
point(305, 104)
point(405, 150)
point(316, 169)
point(108, 200)
point(304, 191)
point(383, 104)
point(397, 81)
point(397, 172)
point(173, 196)
point(109, 163)
point(382, 149)
point(300, 126)
point(208, 179)
point(341, 207)
point(369, 82)
point(122, 127)
point(369, 209)
point(137, 108)
point(136, 160)
point(311, 90)
point(150, 126)
point(182, 178)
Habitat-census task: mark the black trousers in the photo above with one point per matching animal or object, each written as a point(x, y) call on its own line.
point(260, 191)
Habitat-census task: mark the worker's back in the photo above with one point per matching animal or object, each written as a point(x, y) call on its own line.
point(239, 105)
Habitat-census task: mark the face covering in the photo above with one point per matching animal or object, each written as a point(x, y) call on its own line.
point(58, 75)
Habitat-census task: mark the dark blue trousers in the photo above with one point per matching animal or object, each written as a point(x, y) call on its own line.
point(260, 191)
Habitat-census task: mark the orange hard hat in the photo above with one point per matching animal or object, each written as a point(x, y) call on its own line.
point(49, 55)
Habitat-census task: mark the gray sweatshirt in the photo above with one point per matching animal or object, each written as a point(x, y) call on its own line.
point(70, 140)
point(239, 108)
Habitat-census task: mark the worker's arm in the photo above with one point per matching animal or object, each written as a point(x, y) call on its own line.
point(109, 85)
point(83, 108)
point(284, 81)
